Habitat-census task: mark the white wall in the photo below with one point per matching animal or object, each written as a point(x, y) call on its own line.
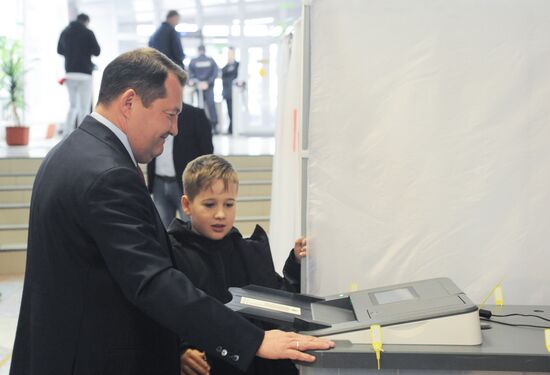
point(43, 21)
point(430, 145)
point(104, 24)
point(45, 99)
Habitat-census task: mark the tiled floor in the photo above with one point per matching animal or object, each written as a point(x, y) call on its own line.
point(11, 288)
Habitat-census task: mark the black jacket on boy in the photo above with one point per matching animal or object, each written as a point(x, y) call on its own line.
point(216, 265)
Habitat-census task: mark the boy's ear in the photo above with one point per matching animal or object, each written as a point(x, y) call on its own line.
point(185, 205)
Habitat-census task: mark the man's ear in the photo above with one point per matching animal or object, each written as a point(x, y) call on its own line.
point(185, 205)
point(127, 101)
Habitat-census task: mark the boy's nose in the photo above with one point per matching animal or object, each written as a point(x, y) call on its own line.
point(220, 214)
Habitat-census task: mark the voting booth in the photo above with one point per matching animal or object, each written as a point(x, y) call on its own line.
point(423, 131)
point(423, 146)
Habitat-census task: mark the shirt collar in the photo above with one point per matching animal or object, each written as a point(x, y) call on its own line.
point(119, 133)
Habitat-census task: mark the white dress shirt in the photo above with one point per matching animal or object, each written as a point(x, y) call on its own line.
point(165, 162)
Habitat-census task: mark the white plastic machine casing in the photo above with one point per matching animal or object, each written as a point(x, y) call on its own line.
point(426, 312)
point(463, 329)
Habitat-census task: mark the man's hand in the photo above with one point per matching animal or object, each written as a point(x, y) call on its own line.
point(203, 85)
point(289, 345)
point(193, 362)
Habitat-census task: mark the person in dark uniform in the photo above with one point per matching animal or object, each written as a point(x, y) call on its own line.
point(229, 73)
point(167, 40)
point(203, 72)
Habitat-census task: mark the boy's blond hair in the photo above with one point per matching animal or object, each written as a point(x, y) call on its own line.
point(202, 172)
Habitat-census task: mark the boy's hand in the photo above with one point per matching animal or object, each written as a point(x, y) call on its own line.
point(289, 345)
point(300, 249)
point(193, 362)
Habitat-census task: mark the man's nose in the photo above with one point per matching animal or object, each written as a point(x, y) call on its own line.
point(174, 128)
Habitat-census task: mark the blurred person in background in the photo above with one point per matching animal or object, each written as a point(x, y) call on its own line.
point(77, 44)
point(229, 73)
point(167, 40)
point(203, 72)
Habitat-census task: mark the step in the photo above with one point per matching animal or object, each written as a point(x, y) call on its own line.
point(254, 174)
point(245, 222)
point(245, 161)
point(254, 206)
point(255, 188)
point(15, 193)
point(13, 233)
point(16, 178)
point(14, 216)
point(13, 256)
point(27, 178)
point(23, 171)
point(12, 262)
point(13, 247)
point(22, 193)
point(14, 213)
point(18, 165)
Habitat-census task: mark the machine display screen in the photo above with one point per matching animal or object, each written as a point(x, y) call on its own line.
point(394, 295)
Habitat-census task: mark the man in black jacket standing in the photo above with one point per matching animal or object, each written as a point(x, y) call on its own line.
point(101, 294)
point(167, 40)
point(164, 172)
point(77, 43)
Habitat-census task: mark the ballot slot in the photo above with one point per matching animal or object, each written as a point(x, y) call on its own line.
point(333, 311)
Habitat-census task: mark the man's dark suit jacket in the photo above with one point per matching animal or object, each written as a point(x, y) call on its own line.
point(101, 295)
point(193, 140)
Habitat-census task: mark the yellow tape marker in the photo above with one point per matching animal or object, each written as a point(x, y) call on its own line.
point(499, 298)
point(376, 337)
point(547, 339)
point(5, 360)
point(353, 287)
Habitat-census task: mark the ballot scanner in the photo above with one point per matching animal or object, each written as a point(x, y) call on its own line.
point(427, 312)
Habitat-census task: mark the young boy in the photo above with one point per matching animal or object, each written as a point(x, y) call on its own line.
point(215, 257)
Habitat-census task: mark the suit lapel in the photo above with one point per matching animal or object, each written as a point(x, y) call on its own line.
point(91, 126)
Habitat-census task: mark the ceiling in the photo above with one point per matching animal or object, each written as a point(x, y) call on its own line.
point(208, 18)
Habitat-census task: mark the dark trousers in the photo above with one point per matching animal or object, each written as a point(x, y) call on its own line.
point(210, 106)
point(229, 102)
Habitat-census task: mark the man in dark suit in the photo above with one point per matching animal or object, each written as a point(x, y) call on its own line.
point(101, 295)
point(165, 171)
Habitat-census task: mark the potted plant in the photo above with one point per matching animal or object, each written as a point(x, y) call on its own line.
point(11, 78)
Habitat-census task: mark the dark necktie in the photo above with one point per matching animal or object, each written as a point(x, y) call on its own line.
point(140, 172)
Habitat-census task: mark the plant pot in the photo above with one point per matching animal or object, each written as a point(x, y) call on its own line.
point(17, 135)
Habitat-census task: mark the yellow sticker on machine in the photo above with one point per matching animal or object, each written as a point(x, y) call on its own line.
point(271, 305)
point(547, 339)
